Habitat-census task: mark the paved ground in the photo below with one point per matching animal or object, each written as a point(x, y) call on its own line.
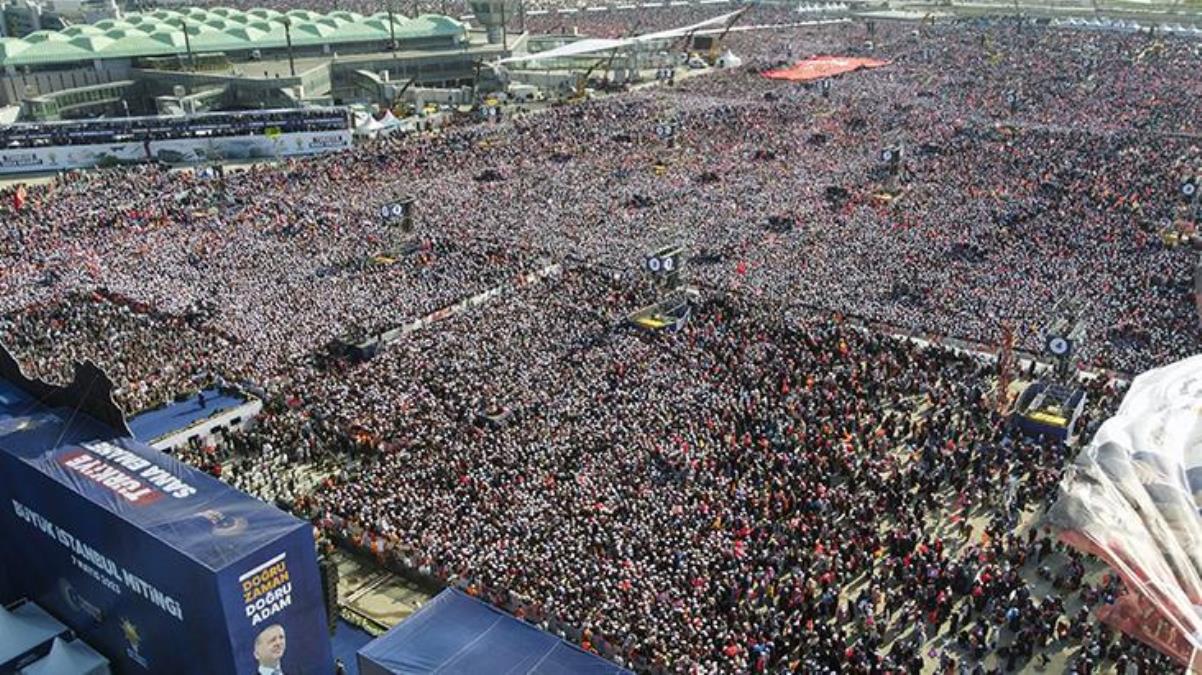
point(945, 526)
point(377, 597)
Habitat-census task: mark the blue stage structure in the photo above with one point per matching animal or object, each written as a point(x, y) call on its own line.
point(26, 633)
point(154, 424)
point(457, 634)
point(160, 567)
point(1048, 408)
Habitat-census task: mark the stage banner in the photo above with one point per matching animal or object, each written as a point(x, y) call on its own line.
point(160, 567)
point(172, 151)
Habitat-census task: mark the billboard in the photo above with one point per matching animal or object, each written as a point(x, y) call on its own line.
point(160, 567)
point(172, 151)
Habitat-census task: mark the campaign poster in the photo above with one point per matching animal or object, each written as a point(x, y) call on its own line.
point(161, 568)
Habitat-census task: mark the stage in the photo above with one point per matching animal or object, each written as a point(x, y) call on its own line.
point(176, 423)
point(176, 416)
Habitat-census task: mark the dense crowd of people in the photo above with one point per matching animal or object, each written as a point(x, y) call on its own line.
point(770, 489)
point(710, 501)
point(745, 150)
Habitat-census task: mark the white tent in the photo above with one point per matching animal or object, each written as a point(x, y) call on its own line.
point(368, 127)
point(1131, 498)
point(729, 60)
point(389, 123)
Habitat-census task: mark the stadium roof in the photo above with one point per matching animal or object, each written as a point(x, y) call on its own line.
point(159, 33)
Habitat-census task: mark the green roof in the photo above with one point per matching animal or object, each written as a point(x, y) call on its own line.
point(159, 33)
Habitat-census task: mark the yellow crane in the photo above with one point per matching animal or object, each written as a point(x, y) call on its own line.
point(716, 47)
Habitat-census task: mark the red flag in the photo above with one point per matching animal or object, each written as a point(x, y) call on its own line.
point(19, 197)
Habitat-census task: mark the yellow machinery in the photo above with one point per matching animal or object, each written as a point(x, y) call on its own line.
point(715, 49)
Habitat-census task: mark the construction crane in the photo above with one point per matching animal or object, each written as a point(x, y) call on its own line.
point(476, 79)
point(1153, 50)
point(396, 98)
point(580, 92)
point(609, 65)
point(582, 81)
point(716, 47)
point(928, 20)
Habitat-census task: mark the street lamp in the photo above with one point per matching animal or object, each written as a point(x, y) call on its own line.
point(391, 28)
point(287, 21)
point(183, 24)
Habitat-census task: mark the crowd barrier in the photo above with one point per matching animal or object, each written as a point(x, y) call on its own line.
point(390, 336)
point(962, 345)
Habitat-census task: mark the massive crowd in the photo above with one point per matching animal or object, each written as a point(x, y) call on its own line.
point(759, 493)
point(768, 490)
point(1086, 222)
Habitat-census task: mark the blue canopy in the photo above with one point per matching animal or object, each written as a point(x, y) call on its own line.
point(456, 633)
point(73, 657)
point(24, 629)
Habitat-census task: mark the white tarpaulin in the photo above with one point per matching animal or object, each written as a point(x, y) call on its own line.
point(589, 46)
point(172, 151)
point(1133, 498)
point(595, 45)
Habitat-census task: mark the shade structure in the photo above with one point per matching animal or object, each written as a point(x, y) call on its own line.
point(24, 629)
point(73, 657)
point(457, 634)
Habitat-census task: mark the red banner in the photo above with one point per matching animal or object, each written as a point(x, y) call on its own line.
point(819, 67)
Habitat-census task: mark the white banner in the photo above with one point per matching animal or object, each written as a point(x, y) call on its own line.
point(1132, 497)
point(175, 151)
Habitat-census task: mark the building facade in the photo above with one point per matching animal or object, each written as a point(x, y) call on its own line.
point(256, 58)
